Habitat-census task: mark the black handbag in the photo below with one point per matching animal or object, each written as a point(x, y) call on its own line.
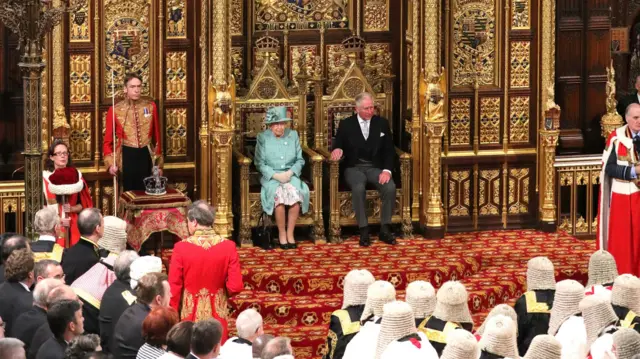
point(263, 233)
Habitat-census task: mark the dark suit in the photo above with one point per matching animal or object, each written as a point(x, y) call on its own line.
point(116, 299)
point(14, 300)
point(127, 337)
point(364, 160)
point(52, 349)
point(626, 101)
point(27, 323)
point(78, 259)
point(39, 338)
point(2, 273)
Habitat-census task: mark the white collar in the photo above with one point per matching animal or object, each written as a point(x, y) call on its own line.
point(47, 237)
point(195, 356)
point(362, 120)
point(25, 286)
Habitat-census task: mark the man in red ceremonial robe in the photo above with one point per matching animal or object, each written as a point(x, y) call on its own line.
point(619, 218)
point(137, 127)
point(204, 270)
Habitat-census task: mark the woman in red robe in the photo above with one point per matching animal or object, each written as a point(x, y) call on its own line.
point(60, 157)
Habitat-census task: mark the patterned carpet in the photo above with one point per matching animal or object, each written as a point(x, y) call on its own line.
point(296, 290)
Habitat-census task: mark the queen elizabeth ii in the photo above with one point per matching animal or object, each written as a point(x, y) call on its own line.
point(278, 158)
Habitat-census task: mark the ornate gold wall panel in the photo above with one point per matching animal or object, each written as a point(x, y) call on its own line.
point(520, 14)
point(176, 132)
point(337, 63)
point(431, 36)
point(237, 64)
point(79, 28)
point(378, 62)
point(237, 16)
point(296, 57)
point(518, 187)
point(520, 64)
point(127, 42)
point(489, 192)
point(80, 79)
point(519, 119)
point(474, 42)
point(490, 120)
point(80, 139)
point(176, 76)
point(301, 14)
point(459, 193)
point(460, 121)
point(176, 27)
point(376, 15)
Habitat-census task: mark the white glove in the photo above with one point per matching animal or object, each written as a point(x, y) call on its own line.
point(289, 174)
point(281, 177)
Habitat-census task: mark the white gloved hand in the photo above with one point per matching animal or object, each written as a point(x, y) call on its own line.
point(289, 174)
point(281, 177)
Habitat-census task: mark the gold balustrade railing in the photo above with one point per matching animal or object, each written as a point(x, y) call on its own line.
point(577, 194)
point(12, 204)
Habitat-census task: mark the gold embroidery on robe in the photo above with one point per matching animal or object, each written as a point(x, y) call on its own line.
point(533, 306)
point(187, 305)
point(55, 254)
point(333, 338)
point(222, 304)
point(348, 327)
point(627, 322)
point(137, 133)
point(130, 298)
point(205, 238)
point(435, 335)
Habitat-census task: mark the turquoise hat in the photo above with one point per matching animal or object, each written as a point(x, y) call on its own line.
point(276, 115)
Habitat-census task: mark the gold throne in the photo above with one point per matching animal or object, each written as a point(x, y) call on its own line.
point(268, 90)
point(330, 110)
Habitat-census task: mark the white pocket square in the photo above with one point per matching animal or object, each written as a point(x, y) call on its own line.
point(381, 134)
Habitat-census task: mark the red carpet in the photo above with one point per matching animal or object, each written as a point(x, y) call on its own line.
point(296, 290)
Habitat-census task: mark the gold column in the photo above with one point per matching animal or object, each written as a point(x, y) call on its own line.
point(433, 215)
point(205, 157)
point(223, 116)
point(415, 129)
point(611, 120)
point(57, 70)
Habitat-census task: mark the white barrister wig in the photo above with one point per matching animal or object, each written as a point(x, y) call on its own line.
point(598, 314)
point(451, 303)
point(626, 292)
point(397, 322)
point(421, 296)
point(379, 293)
point(540, 274)
point(500, 337)
point(566, 303)
point(356, 284)
point(602, 268)
point(461, 344)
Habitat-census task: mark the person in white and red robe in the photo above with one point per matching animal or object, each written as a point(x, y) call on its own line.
point(619, 212)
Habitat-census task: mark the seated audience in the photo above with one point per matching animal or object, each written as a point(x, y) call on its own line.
point(152, 291)
point(155, 328)
point(259, 344)
point(499, 339)
point(451, 312)
point(117, 298)
point(63, 292)
point(12, 242)
point(544, 346)
point(627, 343)
point(399, 337)
point(66, 323)
point(205, 339)
point(602, 272)
point(278, 157)
point(566, 322)
point(15, 294)
point(502, 309)
point(345, 322)
point(533, 307)
point(625, 299)
point(249, 326)
point(204, 262)
point(48, 268)
point(82, 346)
point(92, 285)
point(421, 296)
point(11, 348)
point(28, 322)
point(46, 223)
point(83, 255)
point(179, 341)
point(600, 322)
point(378, 294)
point(462, 345)
point(276, 347)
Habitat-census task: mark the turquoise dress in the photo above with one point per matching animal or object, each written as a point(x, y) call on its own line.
point(279, 154)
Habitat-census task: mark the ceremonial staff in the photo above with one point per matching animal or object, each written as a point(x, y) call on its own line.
point(115, 144)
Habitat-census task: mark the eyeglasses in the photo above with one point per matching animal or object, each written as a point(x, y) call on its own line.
point(60, 154)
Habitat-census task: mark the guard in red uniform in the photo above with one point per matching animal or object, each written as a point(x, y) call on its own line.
point(137, 127)
point(619, 218)
point(204, 271)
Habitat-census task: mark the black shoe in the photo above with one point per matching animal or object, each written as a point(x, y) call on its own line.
point(292, 245)
point(386, 236)
point(284, 246)
point(365, 240)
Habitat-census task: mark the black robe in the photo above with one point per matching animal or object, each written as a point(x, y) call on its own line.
point(435, 330)
point(344, 325)
point(27, 324)
point(534, 311)
point(115, 300)
point(628, 319)
point(78, 259)
point(127, 337)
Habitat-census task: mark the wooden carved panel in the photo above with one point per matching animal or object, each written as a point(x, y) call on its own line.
point(176, 132)
point(80, 139)
point(237, 63)
point(337, 63)
point(80, 79)
point(376, 15)
point(176, 19)
point(301, 14)
point(378, 62)
point(520, 14)
point(460, 123)
point(489, 187)
point(490, 120)
point(176, 75)
point(520, 64)
point(519, 119)
point(459, 193)
point(79, 28)
point(518, 187)
point(296, 56)
point(237, 14)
